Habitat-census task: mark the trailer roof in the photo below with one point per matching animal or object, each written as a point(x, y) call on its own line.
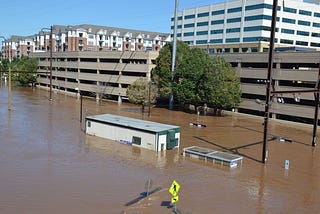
point(131, 123)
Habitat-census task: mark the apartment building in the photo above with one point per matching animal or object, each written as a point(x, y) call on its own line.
point(84, 38)
point(244, 25)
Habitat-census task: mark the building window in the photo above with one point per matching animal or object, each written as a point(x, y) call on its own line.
point(80, 34)
point(178, 34)
point(201, 42)
point(255, 39)
point(314, 44)
point(188, 34)
point(217, 22)
point(201, 33)
point(233, 20)
point(203, 14)
point(315, 35)
point(89, 124)
point(234, 10)
point(235, 50)
point(189, 16)
point(220, 31)
point(305, 12)
point(257, 28)
point(232, 40)
point(289, 10)
point(302, 43)
point(258, 17)
point(290, 21)
point(287, 31)
point(259, 6)
point(199, 24)
point(302, 33)
point(136, 140)
point(286, 41)
point(305, 23)
point(216, 41)
point(316, 14)
point(189, 25)
point(315, 24)
point(217, 12)
point(233, 30)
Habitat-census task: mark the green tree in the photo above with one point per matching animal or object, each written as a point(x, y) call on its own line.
point(198, 78)
point(142, 92)
point(24, 70)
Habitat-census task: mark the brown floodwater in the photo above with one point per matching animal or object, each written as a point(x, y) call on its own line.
point(48, 164)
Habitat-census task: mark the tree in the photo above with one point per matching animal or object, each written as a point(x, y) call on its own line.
point(142, 92)
point(25, 69)
point(198, 78)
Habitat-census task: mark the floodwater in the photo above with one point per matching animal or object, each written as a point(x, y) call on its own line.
point(48, 164)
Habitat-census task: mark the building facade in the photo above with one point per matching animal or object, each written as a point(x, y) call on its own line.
point(244, 26)
point(84, 38)
point(104, 74)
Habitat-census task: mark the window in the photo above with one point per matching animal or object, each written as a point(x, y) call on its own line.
point(89, 124)
point(234, 10)
point(179, 18)
point(178, 34)
point(215, 41)
point(136, 140)
point(305, 23)
point(233, 20)
point(189, 16)
point(302, 43)
point(199, 24)
point(302, 33)
point(200, 33)
point(203, 14)
point(188, 34)
point(201, 42)
point(315, 24)
point(257, 28)
point(287, 31)
point(305, 12)
point(290, 21)
point(217, 22)
point(189, 25)
point(233, 30)
point(258, 17)
point(217, 12)
point(259, 6)
point(231, 40)
point(286, 41)
point(255, 39)
point(314, 44)
point(316, 14)
point(289, 10)
point(220, 31)
point(315, 35)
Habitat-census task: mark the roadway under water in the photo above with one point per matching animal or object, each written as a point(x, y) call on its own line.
point(48, 165)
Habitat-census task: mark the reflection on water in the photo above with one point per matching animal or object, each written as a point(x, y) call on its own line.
point(48, 165)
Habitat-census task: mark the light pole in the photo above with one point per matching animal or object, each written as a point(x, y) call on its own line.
point(9, 78)
point(77, 89)
point(51, 45)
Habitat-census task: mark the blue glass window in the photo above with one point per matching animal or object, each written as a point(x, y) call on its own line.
point(188, 34)
point(233, 20)
point(233, 30)
point(287, 31)
point(286, 41)
point(234, 10)
point(179, 27)
point(316, 14)
point(257, 17)
point(303, 43)
point(255, 39)
point(315, 34)
point(179, 18)
point(189, 16)
point(217, 22)
point(201, 42)
point(217, 12)
point(290, 21)
point(257, 28)
point(302, 33)
point(315, 24)
point(200, 33)
point(258, 6)
point(305, 12)
point(305, 23)
point(199, 24)
point(314, 44)
point(230, 40)
point(215, 41)
point(220, 31)
point(203, 14)
point(189, 25)
point(289, 10)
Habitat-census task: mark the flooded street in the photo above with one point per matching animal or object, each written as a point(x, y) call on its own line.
point(48, 164)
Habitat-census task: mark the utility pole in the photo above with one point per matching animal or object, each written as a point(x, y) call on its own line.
point(268, 83)
point(51, 45)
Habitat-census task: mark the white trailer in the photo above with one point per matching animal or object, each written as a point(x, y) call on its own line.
point(142, 133)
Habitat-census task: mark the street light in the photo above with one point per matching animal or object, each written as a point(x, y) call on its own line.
point(9, 78)
point(50, 59)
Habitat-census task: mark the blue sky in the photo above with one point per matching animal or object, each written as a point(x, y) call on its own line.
point(24, 18)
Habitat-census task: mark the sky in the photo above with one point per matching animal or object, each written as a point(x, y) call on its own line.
point(25, 18)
